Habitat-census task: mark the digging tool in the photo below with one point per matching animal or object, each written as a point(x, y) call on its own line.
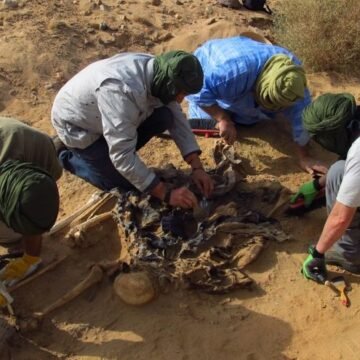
point(340, 284)
point(207, 132)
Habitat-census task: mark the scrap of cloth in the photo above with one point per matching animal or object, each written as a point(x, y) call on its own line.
point(280, 84)
point(231, 68)
point(29, 198)
point(327, 120)
point(176, 71)
point(207, 252)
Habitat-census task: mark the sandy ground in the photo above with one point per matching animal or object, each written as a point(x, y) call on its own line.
point(44, 43)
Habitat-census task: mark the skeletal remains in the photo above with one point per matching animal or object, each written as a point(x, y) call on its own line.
point(209, 253)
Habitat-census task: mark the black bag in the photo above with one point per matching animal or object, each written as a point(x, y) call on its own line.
point(257, 5)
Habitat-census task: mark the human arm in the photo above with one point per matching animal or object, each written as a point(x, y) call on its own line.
point(225, 124)
point(337, 222)
point(120, 109)
point(301, 136)
point(202, 180)
point(308, 163)
point(120, 120)
point(186, 142)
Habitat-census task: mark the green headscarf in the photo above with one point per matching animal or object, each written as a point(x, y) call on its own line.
point(280, 84)
point(176, 71)
point(328, 119)
point(29, 198)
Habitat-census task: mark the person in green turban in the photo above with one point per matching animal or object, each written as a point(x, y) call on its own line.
point(113, 107)
point(333, 120)
point(29, 198)
point(246, 82)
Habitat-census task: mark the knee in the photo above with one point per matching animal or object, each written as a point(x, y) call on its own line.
point(164, 118)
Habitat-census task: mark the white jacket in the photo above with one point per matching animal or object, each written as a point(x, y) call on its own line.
point(111, 98)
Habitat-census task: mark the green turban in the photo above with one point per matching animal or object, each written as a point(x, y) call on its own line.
point(29, 198)
point(176, 71)
point(280, 84)
point(328, 121)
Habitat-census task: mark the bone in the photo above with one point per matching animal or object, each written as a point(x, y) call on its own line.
point(246, 229)
point(39, 273)
point(283, 199)
point(91, 211)
point(95, 276)
point(77, 235)
point(65, 222)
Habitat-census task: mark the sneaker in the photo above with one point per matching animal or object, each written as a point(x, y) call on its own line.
point(58, 144)
point(332, 257)
point(204, 124)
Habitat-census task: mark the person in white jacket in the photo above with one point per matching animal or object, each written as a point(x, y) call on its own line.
point(113, 107)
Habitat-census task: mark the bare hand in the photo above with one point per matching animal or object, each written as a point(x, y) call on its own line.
point(183, 197)
point(313, 166)
point(203, 181)
point(227, 131)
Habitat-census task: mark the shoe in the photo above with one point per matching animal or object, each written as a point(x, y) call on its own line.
point(332, 257)
point(204, 124)
point(58, 144)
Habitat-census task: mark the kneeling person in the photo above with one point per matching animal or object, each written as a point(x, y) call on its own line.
point(113, 107)
point(29, 198)
point(333, 120)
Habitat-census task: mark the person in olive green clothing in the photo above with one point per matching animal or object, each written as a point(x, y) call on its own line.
point(29, 198)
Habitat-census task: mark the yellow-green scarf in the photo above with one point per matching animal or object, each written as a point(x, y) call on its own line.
point(280, 84)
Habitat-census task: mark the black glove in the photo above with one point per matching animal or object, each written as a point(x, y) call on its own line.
point(314, 267)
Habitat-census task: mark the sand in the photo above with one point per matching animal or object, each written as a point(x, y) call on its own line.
point(43, 44)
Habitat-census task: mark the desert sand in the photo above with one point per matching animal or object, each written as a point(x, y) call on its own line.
point(43, 44)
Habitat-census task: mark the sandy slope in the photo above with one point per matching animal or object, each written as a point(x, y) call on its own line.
point(43, 43)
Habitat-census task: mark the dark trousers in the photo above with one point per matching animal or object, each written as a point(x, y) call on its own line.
point(93, 164)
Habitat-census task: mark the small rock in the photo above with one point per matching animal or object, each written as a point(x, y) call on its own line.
point(49, 86)
point(178, 2)
point(165, 37)
point(87, 12)
point(234, 4)
point(107, 40)
point(148, 43)
point(103, 26)
point(123, 18)
point(12, 92)
point(59, 76)
point(11, 3)
point(209, 10)
point(177, 16)
point(211, 21)
point(156, 2)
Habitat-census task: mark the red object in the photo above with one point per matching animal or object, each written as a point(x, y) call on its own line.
point(206, 132)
